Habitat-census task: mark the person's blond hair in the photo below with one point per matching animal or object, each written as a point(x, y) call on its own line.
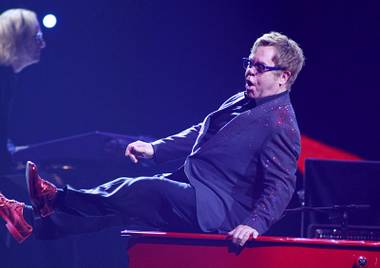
point(16, 26)
point(288, 53)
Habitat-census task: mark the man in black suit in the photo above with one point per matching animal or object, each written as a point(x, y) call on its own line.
point(239, 173)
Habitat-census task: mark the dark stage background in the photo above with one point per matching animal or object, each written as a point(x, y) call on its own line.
point(152, 68)
point(144, 67)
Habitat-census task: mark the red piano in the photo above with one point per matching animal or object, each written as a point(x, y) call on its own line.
point(190, 250)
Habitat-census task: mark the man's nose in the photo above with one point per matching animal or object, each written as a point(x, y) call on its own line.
point(43, 44)
point(251, 71)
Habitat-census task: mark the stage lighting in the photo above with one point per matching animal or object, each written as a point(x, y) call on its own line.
point(49, 21)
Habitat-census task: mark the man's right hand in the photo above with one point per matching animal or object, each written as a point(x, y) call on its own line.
point(139, 149)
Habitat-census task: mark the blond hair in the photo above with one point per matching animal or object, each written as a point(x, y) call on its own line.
point(16, 25)
point(289, 54)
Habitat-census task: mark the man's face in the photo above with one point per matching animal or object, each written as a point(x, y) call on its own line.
point(33, 46)
point(37, 44)
point(264, 84)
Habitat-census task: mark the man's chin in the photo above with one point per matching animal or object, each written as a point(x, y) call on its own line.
point(250, 93)
point(37, 58)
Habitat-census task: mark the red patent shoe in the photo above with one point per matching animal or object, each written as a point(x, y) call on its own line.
point(41, 193)
point(12, 213)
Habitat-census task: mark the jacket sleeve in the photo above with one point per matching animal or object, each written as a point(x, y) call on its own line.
point(276, 170)
point(175, 146)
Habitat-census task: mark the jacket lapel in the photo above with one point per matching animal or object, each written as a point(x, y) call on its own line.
point(206, 122)
point(242, 120)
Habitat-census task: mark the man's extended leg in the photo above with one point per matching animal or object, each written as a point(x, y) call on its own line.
point(153, 201)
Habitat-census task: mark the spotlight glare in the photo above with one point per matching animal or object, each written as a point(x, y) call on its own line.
point(49, 21)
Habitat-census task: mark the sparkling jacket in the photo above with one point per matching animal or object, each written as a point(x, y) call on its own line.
point(245, 173)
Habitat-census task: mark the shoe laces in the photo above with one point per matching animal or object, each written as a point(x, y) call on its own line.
point(8, 202)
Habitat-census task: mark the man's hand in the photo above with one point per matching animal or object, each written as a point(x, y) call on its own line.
point(241, 234)
point(139, 149)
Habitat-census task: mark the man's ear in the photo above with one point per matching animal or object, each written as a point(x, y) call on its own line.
point(285, 77)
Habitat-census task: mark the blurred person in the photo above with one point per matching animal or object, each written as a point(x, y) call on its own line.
point(21, 42)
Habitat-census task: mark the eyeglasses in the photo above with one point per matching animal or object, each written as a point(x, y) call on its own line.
point(260, 68)
point(39, 37)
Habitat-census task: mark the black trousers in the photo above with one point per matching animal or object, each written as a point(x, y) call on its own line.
point(154, 203)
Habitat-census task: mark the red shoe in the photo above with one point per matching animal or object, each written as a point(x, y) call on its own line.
point(41, 193)
point(12, 213)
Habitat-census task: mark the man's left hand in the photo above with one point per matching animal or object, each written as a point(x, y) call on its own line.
point(241, 234)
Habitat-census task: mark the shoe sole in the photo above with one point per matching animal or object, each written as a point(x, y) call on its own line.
point(15, 233)
point(13, 230)
point(28, 183)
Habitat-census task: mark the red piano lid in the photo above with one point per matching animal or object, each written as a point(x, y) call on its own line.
point(275, 239)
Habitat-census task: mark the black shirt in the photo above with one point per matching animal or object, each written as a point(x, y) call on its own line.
point(7, 85)
point(221, 118)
